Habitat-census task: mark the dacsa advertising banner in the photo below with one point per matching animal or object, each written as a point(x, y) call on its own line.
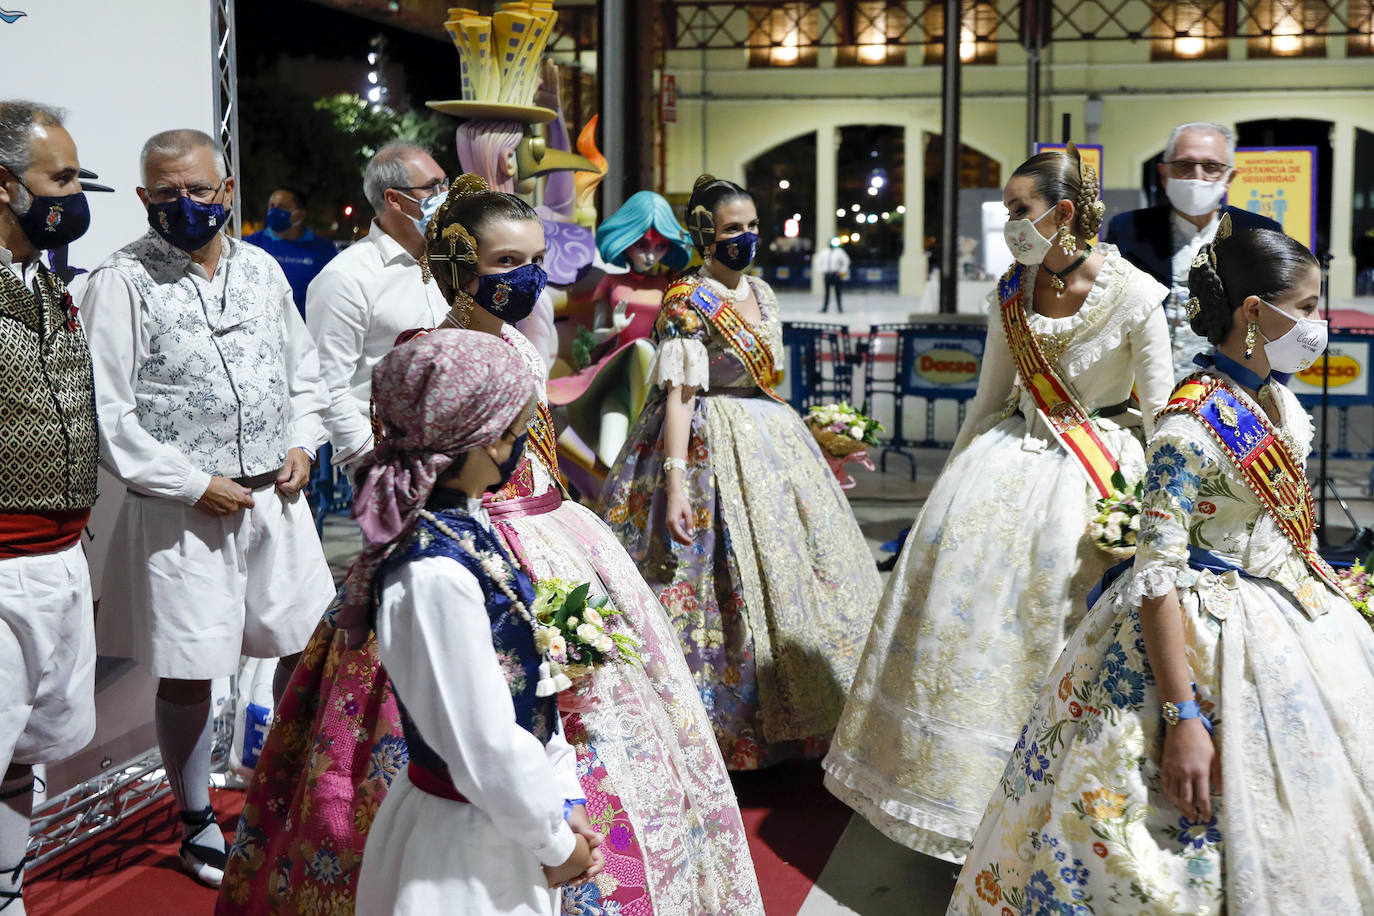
point(1279, 182)
point(1346, 363)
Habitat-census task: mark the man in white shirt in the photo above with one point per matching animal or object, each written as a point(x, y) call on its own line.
point(833, 264)
point(49, 446)
point(372, 291)
point(1197, 168)
point(210, 406)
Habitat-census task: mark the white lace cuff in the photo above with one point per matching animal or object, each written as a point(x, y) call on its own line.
point(1151, 582)
point(681, 361)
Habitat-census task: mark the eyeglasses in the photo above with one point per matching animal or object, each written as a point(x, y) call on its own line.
point(1187, 168)
point(200, 194)
point(437, 186)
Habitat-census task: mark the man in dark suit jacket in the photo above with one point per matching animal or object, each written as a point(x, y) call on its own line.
point(1162, 241)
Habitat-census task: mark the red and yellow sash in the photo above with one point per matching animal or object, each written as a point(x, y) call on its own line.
point(543, 440)
point(753, 351)
point(1269, 467)
point(1062, 413)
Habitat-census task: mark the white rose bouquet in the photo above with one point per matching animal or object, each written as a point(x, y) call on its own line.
point(1117, 522)
point(841, 429)
point(573, 632)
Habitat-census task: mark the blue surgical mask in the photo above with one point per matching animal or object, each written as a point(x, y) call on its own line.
point(278, 220)
point(737, 252)
point(428, 207)
point(187, 224)
point(511, 296)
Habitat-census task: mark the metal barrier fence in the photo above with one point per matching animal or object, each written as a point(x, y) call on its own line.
point(330, 492)
point(812, 348)
point(933, 360)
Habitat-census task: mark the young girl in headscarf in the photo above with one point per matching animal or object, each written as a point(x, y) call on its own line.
point(467, 826)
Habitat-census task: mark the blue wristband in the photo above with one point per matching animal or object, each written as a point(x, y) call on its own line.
point(1189, 709)
point(570, 803)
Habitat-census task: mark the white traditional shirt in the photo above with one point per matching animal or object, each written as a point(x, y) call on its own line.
point(26, 271)
point(198, 376)
point(434, 638)
point(355, 309)
point(1186, 241)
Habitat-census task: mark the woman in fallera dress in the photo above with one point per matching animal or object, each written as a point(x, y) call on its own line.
point(1202, 745)
point(654, 783)
point(993, 575)
point(723, 499)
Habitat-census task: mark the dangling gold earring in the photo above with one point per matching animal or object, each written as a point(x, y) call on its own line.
point(1068, 243)
point(460, 313)
point(1250, 340)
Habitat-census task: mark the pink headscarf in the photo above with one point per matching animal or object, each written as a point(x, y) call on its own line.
point(436, 396)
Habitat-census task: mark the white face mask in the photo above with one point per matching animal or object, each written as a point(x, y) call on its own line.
point(1194, 196)
point(1299, 348)
point(1027, 245)
point(428, 207)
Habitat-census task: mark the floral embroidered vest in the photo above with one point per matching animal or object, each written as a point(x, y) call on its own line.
point(511, 635)
point(214, 384)
point(49, 441)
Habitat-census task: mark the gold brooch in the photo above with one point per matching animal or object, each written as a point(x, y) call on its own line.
point(1227, 413)
point(1194, 306)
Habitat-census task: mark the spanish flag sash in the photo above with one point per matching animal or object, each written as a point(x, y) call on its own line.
point(1054, 399)
point(753, 351)
point(1265, 461)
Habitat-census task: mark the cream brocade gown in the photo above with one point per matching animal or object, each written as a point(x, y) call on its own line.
point(1284, 666)
point(994, 573)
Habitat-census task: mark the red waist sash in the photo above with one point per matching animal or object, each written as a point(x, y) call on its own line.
point(434, 782)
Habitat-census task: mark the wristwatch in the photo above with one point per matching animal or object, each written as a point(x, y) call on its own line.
point(1176, 712)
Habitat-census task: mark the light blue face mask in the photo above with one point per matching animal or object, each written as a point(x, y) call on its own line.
point(428, 207)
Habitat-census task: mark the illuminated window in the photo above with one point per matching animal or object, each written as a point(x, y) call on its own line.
point(1283, 28)
point(977, 32)
point(1188, 31)
point(784, 35)
point(874, 31)
point(1360, 22)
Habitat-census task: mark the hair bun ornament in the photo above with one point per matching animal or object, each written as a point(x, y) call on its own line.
point(704, 180)
point(467, 185)
point(1193, 308)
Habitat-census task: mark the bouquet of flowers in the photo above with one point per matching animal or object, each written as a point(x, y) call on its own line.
point(1356, 582)
point(572, 633)
point(1114, 527)
point(842, 430)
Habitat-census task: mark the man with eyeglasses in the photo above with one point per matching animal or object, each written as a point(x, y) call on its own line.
point(210, 406)
point(1196, 170)
point(372, 291)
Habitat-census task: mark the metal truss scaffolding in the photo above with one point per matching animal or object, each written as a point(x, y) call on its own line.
point(224, 35)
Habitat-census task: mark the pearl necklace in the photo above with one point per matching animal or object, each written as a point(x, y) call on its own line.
point(502, 584)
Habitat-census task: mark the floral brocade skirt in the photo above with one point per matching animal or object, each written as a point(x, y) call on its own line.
point(652, 776)
point(773, 598)
point(989, 585)
point(1078, 823)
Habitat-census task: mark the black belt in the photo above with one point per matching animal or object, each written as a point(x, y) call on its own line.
point(258, 480)
point(739, 392)
point(1113, 410)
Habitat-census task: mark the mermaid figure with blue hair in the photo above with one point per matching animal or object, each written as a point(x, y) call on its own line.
point(644, 245)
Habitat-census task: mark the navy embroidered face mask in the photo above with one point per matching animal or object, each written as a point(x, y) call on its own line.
point(738, 252)
point(187, 224)
point(507, 467)
point(511, 296)
point(51, 222)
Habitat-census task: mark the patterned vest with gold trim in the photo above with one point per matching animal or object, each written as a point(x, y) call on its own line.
point(49, 441)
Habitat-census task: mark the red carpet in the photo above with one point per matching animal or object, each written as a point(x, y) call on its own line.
point(793, 824)
point(132, 870)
